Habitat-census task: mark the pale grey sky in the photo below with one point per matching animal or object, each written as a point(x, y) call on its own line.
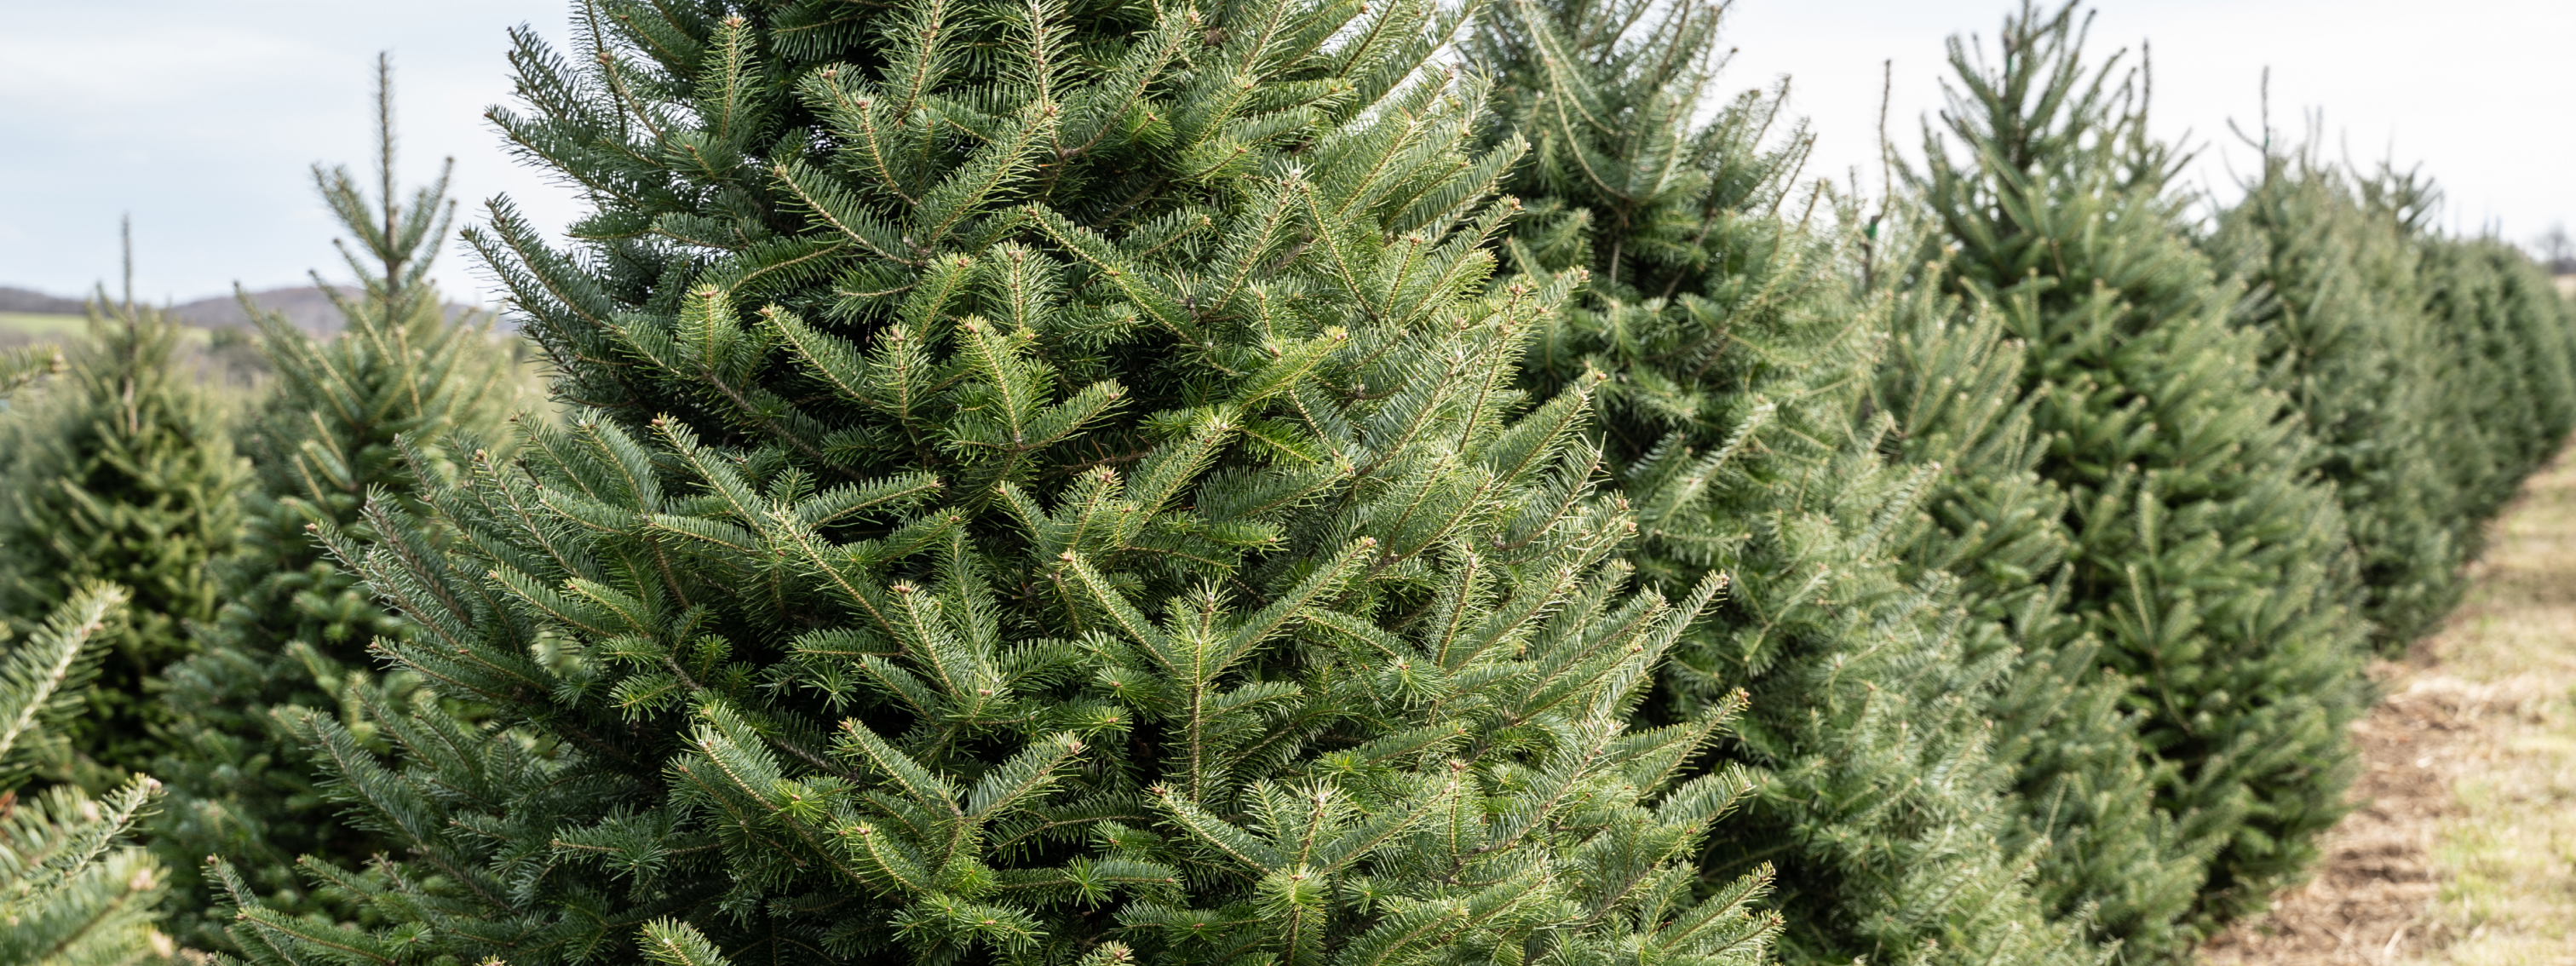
point(201, 118)
point(2481, 92)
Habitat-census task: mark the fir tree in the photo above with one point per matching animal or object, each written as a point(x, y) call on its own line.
point(293, 628)
point(2484, 383)
point(2478, 449)
point(1051, 491)
point(1952, 381)
point(70, 894)
point(2503, 337)
point(2345, 337)
point(1734, 349)
point(2212, 568)
point(121, 472)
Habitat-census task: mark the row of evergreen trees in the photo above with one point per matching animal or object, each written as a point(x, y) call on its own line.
point(1289, 480)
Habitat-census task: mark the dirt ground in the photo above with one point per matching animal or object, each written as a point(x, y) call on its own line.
point(2369, 901)
point(2462, 847)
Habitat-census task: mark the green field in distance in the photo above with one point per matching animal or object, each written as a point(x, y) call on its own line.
point(21, 327)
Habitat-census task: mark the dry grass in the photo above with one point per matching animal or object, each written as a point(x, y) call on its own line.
point(2463, 849)
point(2507, 853)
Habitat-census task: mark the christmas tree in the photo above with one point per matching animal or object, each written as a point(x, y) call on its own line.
point(2213, 569)
point(2346, 339)
point(2502, 336)
point(1951, 380)
point(70, 894)
point(1050, 488)
point(1734, 348)
point(120, 472)
point(292, 633)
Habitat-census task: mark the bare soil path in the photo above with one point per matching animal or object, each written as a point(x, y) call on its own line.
point(2462, 849)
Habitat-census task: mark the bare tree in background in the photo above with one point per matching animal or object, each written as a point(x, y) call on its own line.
point(2557, 250)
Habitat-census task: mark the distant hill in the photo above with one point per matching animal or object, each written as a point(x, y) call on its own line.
point(36, 303)
point(309, 308)
point(306, 306)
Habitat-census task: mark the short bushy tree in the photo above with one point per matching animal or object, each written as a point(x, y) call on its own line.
point(291, 636)
point(2213, 568)
point(1735, 354)
point(1050, 490)
point(119, 471)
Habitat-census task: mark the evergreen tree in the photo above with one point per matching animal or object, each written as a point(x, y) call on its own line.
point(2472, 451)
point(118, 472)
point(1733, 346)
point(2211, 566)
point(2345, 338)
point(2503, 336)
point(1952, 381)
point(2478, 391)
point(1051, 492)
point(293, 628)
point(2477, 450)
point(70, 895)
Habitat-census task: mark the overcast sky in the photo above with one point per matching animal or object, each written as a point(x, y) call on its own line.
point(201, 119)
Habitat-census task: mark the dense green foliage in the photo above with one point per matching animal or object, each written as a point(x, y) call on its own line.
point(2503, 352)
point(2434, 372)
point(1736, 347)
point(70, 893)
point(1279, 482)
point(118, 471)
point(1951, 379)
point(2346, 339)
point(1051, 489)
point(291, 637)
point(2213, 568)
